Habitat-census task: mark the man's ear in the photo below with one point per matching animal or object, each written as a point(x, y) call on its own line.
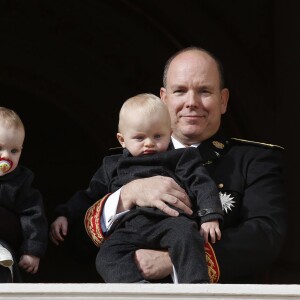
point(121, 139)
point(163, 94)
point(224, 100)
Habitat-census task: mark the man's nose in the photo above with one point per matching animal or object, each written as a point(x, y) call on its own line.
point(192, 100)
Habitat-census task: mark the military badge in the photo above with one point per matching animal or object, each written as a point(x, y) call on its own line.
point(218, 145)
point(227, 201)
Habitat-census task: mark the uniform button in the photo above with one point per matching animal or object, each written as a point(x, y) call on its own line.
point(220, 185)
point(203, 212)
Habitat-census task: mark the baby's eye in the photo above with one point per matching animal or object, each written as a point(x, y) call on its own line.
point(139, 138)
point(157, 136)
point(14, 151)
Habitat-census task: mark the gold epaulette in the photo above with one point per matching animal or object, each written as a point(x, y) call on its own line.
point(257, 143)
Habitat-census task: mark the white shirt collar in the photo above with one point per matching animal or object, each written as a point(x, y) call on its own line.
point(178, 144)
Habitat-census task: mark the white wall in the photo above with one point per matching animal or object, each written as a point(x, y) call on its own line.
point(147, 291)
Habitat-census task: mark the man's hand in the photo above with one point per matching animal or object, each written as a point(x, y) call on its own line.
point(156, 191)
point(29, 263)
point(153, 264)
point(211, 230)
point(58, 230)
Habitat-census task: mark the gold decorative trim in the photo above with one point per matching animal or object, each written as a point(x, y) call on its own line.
point(92, 221)
point(258, 143)
point(212, 263)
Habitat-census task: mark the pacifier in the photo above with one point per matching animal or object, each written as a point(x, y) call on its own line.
point(5, 166)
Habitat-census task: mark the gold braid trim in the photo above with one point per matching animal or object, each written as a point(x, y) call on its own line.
point(212, 263)
point(92, 221)
point(258, 143)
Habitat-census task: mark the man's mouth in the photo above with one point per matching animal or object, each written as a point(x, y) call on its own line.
point(192, 117)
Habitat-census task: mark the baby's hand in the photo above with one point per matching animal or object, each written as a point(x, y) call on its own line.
point(58, 230)
point(29, 263)
point(210, 229)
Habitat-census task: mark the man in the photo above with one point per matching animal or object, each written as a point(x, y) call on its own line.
point(248, 175)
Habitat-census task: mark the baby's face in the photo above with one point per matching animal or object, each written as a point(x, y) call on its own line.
point(11, 143)
point(146, 136)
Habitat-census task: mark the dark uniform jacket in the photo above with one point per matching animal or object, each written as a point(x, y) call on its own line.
point(249, 177)
point(17, 195)
point(184, 165)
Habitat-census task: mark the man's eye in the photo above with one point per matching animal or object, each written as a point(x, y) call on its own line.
point(205, 92)
point(178, 91)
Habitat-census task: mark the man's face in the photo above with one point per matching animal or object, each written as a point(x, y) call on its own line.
point(193, 96)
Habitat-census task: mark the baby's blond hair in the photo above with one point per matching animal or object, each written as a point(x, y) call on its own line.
point(10, 118)
point(143, 104)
